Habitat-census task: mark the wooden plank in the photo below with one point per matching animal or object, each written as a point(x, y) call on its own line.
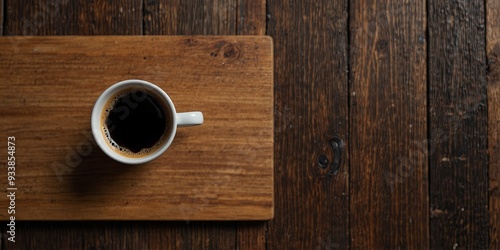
point(109, 235)
point(229, 176)
point(214, 235)
point(388, 127)
point(2, 14)
point(311, 124)
point(54, 234)
point(122, 17)
point(177, 17)
point(251, 235)
point(251, 17)
point(65, 17)
point(493, 87)
point(84, 235)
point(458, 125)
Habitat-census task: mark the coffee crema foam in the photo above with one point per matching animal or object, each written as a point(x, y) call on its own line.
point(109, 107)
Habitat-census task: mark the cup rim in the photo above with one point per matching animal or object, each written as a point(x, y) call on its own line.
point(99, 107)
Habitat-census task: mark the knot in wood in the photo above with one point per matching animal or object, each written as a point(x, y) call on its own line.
point(230, 51)
point(225, 49)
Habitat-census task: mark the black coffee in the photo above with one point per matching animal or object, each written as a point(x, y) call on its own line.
point(136, 121)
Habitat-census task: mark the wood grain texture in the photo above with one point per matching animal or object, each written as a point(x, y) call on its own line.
point(311, 114)
point(388, 128)
point(251, 17)
point(124, 235)
point(177, 17)
point(213, 235)
point(2, 15)
point(310, 94)
point(222, 170)
point(493, 86)
point(66, 17)
point(86, 235)
point(458, 125)
point(251, 235)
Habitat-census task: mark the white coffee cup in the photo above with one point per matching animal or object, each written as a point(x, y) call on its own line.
point(102, 134)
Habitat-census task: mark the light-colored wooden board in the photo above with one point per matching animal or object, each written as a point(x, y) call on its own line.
point(222, 170)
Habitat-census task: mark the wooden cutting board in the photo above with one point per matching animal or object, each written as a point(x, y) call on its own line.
point(222, 170)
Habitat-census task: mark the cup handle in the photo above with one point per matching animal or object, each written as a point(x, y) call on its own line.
point(188, 119)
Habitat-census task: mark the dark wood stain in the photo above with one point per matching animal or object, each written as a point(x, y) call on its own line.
point(178, 17)
point(2, 15)
point(458, 153)
point(311, 99)
point(388, 124)
point(64, 17)
point(493, 86)
point(411, 90)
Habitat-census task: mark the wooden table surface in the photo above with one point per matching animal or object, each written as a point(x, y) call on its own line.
point(386, 121)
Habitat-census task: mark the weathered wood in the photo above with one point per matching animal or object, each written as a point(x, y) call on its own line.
point(493, 86)
point(311, 123)
point(251, 235)
point(119, 235)
point(2, 14)
point(213, 235)
point(200, 17)
point(458, 125)
point(222, 170)
point(65, 17)
point(122, 17)
point(311, 97)
point(37, 235)
point(388, 127)
point(251, 17)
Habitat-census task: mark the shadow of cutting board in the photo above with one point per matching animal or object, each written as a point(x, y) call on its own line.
point(222, 170)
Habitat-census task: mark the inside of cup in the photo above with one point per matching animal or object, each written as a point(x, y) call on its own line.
point(124, 116)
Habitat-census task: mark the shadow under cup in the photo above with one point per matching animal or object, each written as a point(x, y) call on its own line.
point(133, 121)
